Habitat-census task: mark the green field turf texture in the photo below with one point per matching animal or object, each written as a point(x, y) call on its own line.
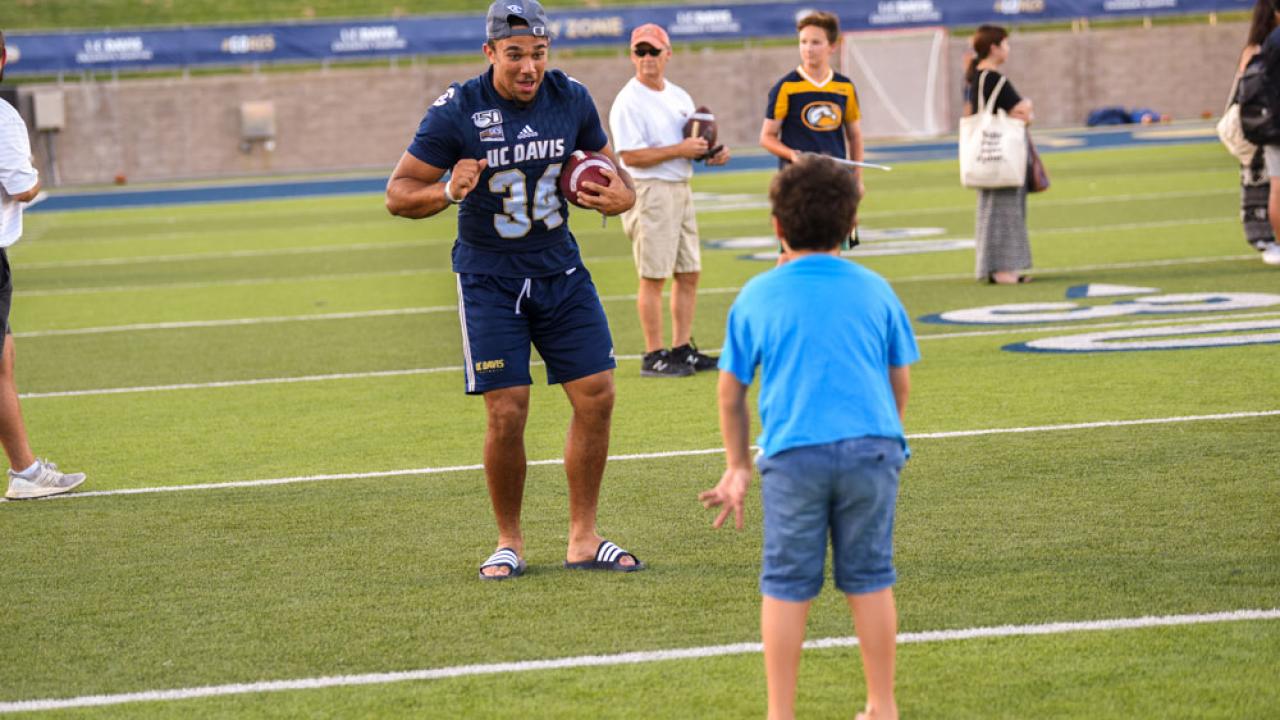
point(131, 593)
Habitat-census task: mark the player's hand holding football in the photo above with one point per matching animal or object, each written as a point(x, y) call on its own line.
point(720, 157)
point(693, 148)
point(612, 199)
point(728, 496)
point(463, 178)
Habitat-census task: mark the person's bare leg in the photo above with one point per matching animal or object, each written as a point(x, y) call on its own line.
point(504, 464)
point(585, 454)
point(684, 298)
point(782, 630)
point(649, 305)
point(13, 431)
point(875, 620)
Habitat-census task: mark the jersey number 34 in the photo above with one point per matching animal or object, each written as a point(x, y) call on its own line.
point(516, 219)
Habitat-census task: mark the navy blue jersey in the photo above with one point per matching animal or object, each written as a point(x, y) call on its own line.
point(514, 223)
point(813, 115)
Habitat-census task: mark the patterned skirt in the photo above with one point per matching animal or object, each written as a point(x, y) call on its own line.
point(1255, 189)
point(1001, 231)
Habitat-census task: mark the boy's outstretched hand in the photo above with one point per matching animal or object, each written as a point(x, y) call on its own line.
point(728, 495)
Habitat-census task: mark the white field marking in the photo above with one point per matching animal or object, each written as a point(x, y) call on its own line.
point(1022, 329)
point(267, 280)
point(269, 381)
point(629, 658)
point(226, 255)
point(639, 456)
point(1087, 268)
point(1067, 202)
point(235, 322)
point(602, 258)
point(1012, 330)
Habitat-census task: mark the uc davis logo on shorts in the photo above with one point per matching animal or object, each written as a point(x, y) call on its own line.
point(822, 115)
point(488, 366)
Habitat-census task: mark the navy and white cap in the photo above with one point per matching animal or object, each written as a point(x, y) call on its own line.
point(498, 22)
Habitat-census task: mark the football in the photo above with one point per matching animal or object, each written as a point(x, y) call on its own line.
point(702, 123)
point(580, 167)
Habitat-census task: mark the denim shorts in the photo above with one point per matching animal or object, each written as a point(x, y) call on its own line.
point(845, 490)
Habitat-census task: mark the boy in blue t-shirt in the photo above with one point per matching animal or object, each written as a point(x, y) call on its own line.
point(833, 389)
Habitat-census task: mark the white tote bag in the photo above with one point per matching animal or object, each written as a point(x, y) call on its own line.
point(1230, 132)
point(993, 146)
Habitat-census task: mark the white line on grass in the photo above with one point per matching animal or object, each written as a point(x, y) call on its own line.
point(616, 258)
point(235, 322)
point(1022, 329)
point(629, 658)
point(226, 255)
point(267, 280)
point(1018, 330)
point(640, 456)
point(1091, 200)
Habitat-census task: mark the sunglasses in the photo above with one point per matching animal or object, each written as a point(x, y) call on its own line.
point(651, 52)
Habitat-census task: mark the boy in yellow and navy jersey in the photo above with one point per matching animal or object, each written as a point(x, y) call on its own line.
point(814, 113)
point(814, 108)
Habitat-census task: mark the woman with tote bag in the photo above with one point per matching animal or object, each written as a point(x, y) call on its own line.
point(1003, 248)
point(1255, 184)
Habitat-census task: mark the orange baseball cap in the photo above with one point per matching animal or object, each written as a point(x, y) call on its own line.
point(652, 34)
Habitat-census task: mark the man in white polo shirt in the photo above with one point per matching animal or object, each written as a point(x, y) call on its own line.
point(29, 477)
point(647, 120)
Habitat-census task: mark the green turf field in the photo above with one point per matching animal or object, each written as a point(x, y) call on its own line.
point(373, 571)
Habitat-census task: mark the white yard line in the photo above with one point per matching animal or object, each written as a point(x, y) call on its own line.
point(1023, 329)
point(235, 322)
point(641, 456)
point(629, 658)
point(1084, 268)
point(1037, 203)
point(267, 280)
point(225, 255)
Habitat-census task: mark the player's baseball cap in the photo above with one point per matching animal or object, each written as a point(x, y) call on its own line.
point(652, 34)
point(498, 22)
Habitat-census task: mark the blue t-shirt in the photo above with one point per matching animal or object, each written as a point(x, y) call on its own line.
point(515, 222)
point(824, 332)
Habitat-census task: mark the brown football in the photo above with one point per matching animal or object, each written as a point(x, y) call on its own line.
point(702, 123)
point(581, 166)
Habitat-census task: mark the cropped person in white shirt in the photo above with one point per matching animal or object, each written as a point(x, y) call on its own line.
point(647, 121)
point(29, 477)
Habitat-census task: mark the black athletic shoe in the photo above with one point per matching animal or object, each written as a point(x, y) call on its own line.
point(659, 363)
point(689, 355)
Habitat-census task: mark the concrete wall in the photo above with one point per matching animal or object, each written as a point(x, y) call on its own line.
point(343, 119)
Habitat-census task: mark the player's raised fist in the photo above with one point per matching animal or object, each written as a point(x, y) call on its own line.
point(463, 177)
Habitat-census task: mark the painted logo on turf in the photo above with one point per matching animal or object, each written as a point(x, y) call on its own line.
point(1140, 334)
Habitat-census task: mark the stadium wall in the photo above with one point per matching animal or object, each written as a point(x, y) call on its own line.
point(350, 119)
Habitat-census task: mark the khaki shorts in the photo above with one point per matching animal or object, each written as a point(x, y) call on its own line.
point(663, 230)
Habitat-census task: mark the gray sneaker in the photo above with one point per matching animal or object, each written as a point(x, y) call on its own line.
point(48, 481)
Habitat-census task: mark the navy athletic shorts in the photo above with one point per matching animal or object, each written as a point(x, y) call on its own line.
point(560, 315)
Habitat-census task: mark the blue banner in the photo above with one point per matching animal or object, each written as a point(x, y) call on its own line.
point(52, 53)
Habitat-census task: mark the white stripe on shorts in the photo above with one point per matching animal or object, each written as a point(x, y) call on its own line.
point(466, 342)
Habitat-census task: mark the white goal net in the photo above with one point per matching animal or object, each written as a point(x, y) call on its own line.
point(901, 78)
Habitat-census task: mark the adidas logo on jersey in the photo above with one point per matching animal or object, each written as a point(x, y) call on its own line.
point(527, 133)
